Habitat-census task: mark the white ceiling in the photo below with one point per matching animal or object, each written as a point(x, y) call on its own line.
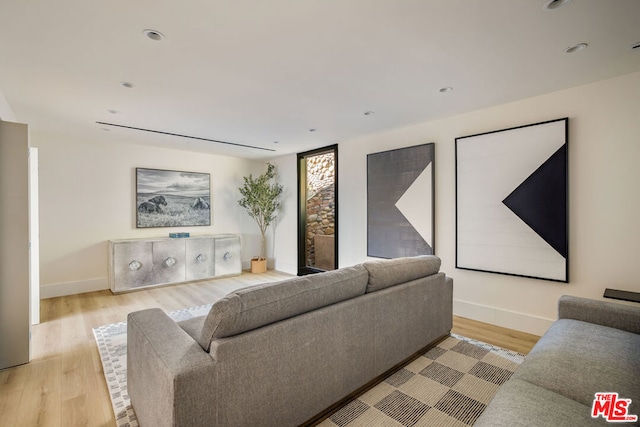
point(254, 72)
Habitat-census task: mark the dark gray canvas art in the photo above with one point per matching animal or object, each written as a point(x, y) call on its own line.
point(166, 198)
point(400, 202)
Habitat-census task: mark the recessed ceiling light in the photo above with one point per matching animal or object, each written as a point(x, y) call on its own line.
point(312, 130)
point(555, 4)
point(576, 48)
point(276, 142)
point(154, 35)
point(446, 89)
point(112, 111)
point(369, 113)
point(128, 85)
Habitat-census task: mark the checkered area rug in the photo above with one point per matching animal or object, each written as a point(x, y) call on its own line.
point(449, 385)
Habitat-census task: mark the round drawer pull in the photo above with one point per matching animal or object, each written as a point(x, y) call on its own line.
point(170, 262)
point(200, 259)
point(227, 256)
point(135, 265)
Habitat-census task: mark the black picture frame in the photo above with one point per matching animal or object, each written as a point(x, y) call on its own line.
point(170, 198)
point(512, 212)
point(401, 202)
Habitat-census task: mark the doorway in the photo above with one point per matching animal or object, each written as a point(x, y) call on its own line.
point(318, 210)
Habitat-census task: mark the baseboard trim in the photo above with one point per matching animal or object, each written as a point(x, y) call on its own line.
point(71, 288)
point(286, 268)
point(246, 264)
point(507, 319)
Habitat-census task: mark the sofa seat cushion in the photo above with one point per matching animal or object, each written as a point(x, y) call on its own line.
point(256, 306)
point(384, 273)
point(519, 403)
point(578, 359)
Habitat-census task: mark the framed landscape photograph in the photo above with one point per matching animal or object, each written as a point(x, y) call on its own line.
point(512, 201)
point(166, 198)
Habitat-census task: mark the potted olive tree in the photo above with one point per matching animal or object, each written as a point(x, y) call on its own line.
point(260, 199)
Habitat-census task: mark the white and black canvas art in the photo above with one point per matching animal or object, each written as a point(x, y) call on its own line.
point(511, 201)
point(400, 202)
point(166, 198)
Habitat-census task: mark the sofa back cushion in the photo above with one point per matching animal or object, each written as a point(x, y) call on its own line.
point(260, 305)
point(384, 273)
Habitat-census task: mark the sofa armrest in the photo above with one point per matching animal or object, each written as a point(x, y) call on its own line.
point(619, 316)
point(171, 380)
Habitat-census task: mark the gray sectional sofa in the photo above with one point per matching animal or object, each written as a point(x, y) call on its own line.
point(593, 347)
point(278, 354)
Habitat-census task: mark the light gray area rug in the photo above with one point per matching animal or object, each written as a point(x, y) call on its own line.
point(449, 385)
point(112, 345)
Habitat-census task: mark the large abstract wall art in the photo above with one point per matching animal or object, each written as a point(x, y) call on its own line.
point(400, 202)
point(511, 201)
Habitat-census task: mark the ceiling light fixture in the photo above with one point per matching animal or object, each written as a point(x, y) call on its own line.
point(154, 35)
point(369, 113)
point(445, 89)
point(555, 4)
point(112, 111)
point(312, 130)
point(128, 85)
point(576, 48)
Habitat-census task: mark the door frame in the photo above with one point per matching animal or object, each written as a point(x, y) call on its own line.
point(303, 269)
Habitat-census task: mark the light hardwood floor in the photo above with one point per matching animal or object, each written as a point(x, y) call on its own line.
point(63, 385)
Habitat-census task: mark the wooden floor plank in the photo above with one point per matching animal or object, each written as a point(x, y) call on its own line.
point(64, 384)
point(507, 338)
point(41, 399)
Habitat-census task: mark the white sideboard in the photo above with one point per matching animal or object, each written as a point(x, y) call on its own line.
point(141, 263)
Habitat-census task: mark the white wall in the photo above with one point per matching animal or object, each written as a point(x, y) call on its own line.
point(284, 234)
point(87, 196)
point(6, 113)
point(604, 230)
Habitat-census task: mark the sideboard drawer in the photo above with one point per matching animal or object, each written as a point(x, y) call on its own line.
point(132, 265)
point(168, 261)
point(228, 256)
point(200, 258)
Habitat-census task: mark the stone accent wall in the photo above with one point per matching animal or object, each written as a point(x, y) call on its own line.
point(320, 173)
point(320, 201)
